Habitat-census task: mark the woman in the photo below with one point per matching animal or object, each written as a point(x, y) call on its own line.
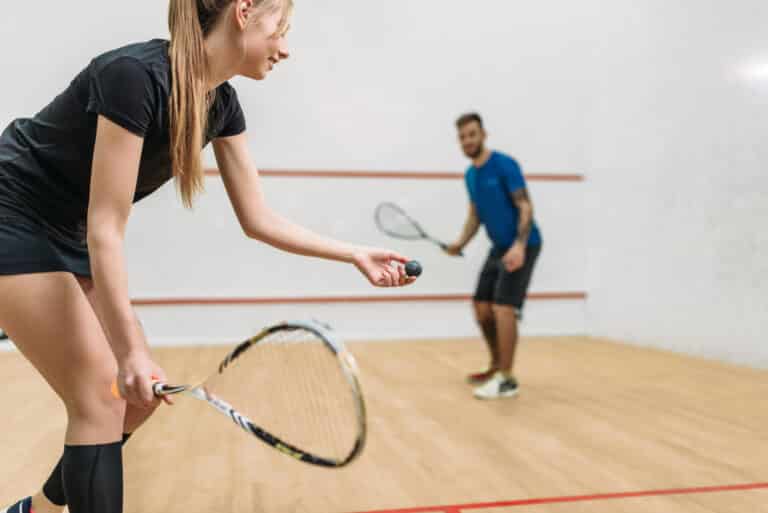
point(134, 118)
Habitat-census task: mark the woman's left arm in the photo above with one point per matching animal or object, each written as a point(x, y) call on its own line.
point(259, 221)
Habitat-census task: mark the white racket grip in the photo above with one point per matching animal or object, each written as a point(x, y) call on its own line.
point(163, 389)
point(159, 389)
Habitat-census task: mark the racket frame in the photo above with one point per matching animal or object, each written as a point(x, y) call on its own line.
point(349, 370)
point(422, 234)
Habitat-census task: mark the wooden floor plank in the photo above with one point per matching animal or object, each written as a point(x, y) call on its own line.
point(592, 417)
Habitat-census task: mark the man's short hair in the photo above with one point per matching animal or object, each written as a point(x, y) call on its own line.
point(468, 118)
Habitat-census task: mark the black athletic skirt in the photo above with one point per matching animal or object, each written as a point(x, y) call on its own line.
point(28, 245)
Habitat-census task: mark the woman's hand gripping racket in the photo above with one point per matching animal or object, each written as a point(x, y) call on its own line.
point(294, 387)
point(393, 221)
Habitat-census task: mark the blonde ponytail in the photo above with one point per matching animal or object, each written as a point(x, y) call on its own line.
point(189, 22)
point(188, 102)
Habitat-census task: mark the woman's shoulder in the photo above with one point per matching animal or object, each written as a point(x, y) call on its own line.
point(129, 85)
point(225, 98)
point(149, 56)
point(226, 91)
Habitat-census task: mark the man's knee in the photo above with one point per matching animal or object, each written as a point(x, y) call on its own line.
point(484, 313)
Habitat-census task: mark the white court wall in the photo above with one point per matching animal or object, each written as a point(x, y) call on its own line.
point(371, 86)
point(678, 182)
point(661, 104)
point(209, 257)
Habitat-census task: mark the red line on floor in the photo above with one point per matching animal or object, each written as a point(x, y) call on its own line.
point(460, 508)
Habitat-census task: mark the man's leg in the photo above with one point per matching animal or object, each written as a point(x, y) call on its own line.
point(509, 299)
point(485, 319)
point(506, 327)
point(483, 309)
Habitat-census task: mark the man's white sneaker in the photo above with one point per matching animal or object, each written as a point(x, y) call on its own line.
point(497, 387)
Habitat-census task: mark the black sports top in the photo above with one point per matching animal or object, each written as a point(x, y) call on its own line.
point(45, 161)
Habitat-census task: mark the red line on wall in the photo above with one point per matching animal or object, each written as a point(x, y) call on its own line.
point(223, 301)
point(459, 508)
point(399, 175)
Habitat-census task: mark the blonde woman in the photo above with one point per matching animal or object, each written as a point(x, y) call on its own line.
point(132, 120)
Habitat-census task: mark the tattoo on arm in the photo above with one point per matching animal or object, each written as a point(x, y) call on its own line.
point(525, 223)
point(521, 195)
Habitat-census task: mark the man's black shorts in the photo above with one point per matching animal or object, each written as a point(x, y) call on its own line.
point(499, 286)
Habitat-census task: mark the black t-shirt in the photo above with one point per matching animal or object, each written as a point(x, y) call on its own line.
point(45, 161)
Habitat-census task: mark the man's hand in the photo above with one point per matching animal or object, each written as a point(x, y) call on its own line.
point(453, 249)
point(514, 258)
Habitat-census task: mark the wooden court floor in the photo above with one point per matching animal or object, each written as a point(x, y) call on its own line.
point(593, 418)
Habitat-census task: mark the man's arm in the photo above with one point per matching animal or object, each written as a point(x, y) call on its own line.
point(514, 259)
point(471, 225)
point(525, 223)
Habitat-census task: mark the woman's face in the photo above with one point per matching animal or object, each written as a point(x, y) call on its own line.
point(263, 46)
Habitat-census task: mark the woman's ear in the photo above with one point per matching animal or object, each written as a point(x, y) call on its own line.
point(243, 12)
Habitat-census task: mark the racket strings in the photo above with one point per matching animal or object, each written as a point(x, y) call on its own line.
point(291, 384)
point(329, 399)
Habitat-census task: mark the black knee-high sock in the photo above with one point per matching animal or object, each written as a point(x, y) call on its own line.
point(93, 478)
point(54, 488)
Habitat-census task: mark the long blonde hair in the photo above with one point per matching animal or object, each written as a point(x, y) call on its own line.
point(189, 22)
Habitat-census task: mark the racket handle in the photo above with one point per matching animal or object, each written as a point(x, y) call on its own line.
point(158, 389)
point(164, 389)
point(444, 247)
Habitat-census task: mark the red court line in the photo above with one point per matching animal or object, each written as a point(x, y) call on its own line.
point(399, 175)
point(222, 301)
point(459, 508)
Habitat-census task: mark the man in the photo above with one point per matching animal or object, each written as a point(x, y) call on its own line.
point(499, 200)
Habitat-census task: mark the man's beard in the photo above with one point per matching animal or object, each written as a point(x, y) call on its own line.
point(475, 154)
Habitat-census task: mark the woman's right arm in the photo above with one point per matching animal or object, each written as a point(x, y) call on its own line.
point(116, 159)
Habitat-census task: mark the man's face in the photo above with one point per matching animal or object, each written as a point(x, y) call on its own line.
point(472, 139)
